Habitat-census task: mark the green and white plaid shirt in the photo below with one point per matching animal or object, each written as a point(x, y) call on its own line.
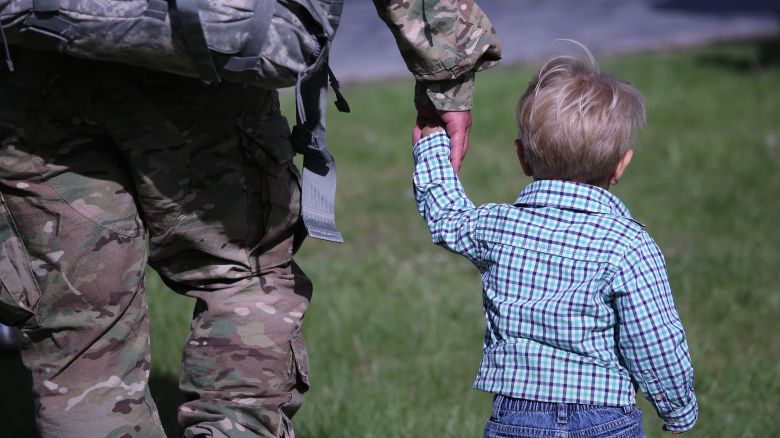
point(576, 295)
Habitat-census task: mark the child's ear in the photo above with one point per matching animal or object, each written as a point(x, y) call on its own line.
point(621, 167)
point(521, 156)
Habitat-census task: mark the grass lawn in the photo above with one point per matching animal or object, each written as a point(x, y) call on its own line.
point(395, 326)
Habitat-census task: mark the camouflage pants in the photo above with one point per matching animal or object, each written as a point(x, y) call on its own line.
point(104, 169)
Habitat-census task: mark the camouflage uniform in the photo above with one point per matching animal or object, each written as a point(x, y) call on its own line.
point(444, 42)
point(105, 168)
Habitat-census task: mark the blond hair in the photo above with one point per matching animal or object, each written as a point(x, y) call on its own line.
point(575, 122)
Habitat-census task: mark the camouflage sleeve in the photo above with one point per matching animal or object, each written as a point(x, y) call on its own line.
point(443, 43)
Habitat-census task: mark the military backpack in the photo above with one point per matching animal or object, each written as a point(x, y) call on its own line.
point(266, 43)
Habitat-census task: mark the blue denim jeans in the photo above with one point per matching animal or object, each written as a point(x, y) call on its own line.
point(515, 418)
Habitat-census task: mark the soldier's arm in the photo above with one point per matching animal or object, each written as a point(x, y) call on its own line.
point(443, 43)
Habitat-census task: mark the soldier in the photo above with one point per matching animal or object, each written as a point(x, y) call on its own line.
point(96, 158)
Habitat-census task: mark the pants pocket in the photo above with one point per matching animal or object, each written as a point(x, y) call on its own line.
point(19, 294)
point(86, 174)
point(299, 379)
point(301, 362)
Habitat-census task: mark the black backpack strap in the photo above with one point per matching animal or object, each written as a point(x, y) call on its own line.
point(341, 103)
point(185, 13)
point(6, 50)
point(157, 9)
point(46, 6)
point(45, 27)
point(261, 23)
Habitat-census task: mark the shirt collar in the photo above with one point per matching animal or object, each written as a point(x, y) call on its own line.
point(571, 196)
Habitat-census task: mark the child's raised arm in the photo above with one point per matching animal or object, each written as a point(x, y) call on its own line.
point(441, 200)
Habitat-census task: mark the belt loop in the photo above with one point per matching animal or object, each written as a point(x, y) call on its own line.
point(563, 413)
point(496, 415)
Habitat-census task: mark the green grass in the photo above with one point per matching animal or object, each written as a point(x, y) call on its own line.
point(395, 326)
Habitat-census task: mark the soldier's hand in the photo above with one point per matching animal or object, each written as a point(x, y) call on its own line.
point(458, 126)
point(456, 123)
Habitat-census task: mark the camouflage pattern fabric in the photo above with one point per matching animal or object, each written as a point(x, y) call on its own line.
point(268, 43)
point(105, 168)
point(443, 43)
point(93, 157)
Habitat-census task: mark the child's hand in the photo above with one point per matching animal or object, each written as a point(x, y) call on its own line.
point(429, 126)
point(456, 123)
point(428, 130)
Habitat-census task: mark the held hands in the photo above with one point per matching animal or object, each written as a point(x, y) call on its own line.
point(428, 127)
point(456, 123)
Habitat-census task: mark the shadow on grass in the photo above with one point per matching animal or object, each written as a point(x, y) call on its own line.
point(767, 55)
point(721, 7)
point(319, 432)
point(16, 401)
point(165, 390)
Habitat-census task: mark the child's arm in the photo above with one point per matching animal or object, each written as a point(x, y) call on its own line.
point(651, 337)
point(441, 200)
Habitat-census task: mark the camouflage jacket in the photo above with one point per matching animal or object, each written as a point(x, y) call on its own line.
point(443, 43)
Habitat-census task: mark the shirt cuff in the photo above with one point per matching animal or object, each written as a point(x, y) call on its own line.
point(435, 143)
point(446, 95)
point(684, 418)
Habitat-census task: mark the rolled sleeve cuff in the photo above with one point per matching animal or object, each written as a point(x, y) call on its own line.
point(684, 418)
point(446, 95)
point(436, 143)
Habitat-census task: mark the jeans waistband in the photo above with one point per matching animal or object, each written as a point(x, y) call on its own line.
point(505, 403)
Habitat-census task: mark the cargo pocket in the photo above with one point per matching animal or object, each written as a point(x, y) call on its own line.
point(299, 368)
point(301, 362)
point(272, 188)
point(19, 293)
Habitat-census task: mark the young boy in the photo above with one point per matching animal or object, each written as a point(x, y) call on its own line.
point(577, 301)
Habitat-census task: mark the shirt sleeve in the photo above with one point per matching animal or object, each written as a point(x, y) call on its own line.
point(651, 337)
point(443, 43)
point(451, 217)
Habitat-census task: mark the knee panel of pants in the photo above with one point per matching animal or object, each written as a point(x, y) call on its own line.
point(252, 329)
point(245, 358)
